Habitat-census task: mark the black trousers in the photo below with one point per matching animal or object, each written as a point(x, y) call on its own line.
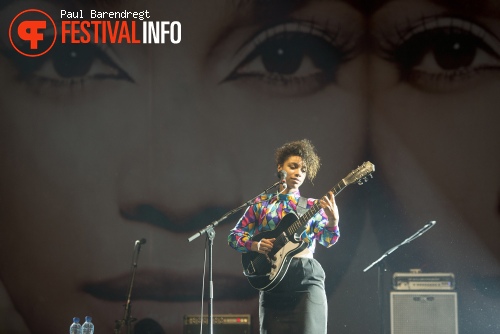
point(298, 304)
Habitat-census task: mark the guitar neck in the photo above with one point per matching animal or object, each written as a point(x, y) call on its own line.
point(302, 221)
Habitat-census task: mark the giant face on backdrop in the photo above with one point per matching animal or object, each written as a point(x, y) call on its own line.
point(104, 145)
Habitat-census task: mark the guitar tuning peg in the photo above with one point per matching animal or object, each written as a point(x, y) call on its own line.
point(360, 182)
point(366, 179)
point(371, 175)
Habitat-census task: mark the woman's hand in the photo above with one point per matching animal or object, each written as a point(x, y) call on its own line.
point(264, 246)
point(328, 204)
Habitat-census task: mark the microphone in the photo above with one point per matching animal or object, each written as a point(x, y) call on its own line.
point(427, 226)
point(424, 229)
point(282, 177)
point(137, 249)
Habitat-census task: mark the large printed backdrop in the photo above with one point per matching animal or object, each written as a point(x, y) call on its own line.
point(103, 145)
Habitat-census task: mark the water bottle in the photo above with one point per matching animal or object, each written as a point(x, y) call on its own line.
point(88, 326)
point(75, 327)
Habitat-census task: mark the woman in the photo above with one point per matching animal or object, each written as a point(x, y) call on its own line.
point(298, 303)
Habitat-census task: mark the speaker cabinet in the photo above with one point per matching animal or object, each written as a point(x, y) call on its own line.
point(223, 324)
point(426, 312)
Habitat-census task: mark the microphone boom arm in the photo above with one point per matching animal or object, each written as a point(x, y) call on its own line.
point(229, 213)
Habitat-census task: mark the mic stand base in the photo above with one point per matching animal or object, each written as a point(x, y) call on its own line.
point(127, 323)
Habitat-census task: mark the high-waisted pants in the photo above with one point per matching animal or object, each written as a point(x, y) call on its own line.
point(297, 305)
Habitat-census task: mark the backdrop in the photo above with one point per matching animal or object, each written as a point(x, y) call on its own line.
point(103, 144)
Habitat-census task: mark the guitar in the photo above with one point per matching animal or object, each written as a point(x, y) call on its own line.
point(265, 271)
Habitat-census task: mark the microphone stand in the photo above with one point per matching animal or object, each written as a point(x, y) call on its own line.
point(209, 230)
point(127, 320)
point(381, 267)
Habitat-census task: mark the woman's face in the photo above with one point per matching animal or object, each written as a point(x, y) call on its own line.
point(158, 141)
point(295, 172)
point(434, 119)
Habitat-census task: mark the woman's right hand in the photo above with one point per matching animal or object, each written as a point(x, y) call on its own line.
point(263, 246)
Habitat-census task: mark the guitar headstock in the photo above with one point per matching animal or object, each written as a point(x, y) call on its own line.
point(360, 174)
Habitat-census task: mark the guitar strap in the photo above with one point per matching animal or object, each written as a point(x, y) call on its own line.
point(302, 206)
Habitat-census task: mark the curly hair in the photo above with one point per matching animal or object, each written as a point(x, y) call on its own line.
point(304, 149)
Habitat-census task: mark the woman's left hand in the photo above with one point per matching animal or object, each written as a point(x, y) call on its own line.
point(328, 204)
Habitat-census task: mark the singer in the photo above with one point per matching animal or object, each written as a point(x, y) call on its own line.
point(298, 303)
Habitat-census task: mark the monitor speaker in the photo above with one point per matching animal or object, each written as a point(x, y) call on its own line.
point(424, 312)
point(223, 324)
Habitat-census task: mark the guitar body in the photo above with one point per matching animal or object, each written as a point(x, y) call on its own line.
point(266, 272)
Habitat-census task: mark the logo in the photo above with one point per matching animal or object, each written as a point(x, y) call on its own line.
point(32, 33)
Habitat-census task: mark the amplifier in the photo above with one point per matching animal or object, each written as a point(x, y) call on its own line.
point(424, 312)
point(223, 324)
point(421, 281)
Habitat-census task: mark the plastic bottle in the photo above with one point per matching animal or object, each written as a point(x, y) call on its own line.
point(75, 327)
point(88, 326)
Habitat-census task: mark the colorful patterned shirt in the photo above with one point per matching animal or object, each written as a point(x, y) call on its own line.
point(266, 213)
